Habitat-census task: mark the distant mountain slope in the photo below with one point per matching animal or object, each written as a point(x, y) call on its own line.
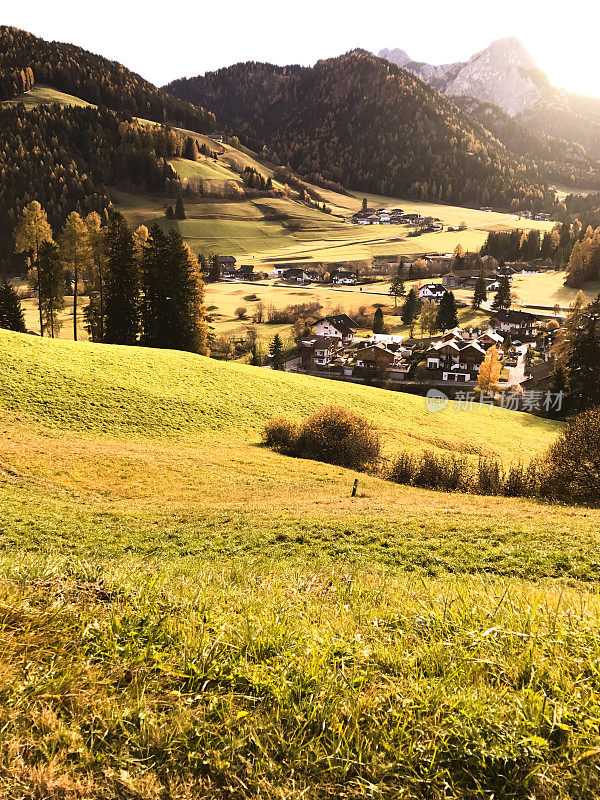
point(90, 77)
point(367, 124)
point(505, 74)
point(560, 161)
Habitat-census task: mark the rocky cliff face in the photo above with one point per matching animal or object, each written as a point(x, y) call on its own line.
point(504, 73)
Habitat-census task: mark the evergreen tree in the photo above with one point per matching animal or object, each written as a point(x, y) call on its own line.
point(503, 297)
point(480, 292)
point(122, 283)
point(179, 207)
point(378, 324)
point(447, 315)
point(32, 231)
point(49, 277)
point(410, 310)
point(170, 214)
point(255, 359)
point(276, 353)
point(11, 312)
point(583, 365)
point(214, 270)
point(397, 285)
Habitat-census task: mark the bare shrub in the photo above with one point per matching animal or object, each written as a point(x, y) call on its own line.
point(338, 436)
point(281, 435)
point(573, 461)
point(490, 477)
point(403, 468)
point(241, 312)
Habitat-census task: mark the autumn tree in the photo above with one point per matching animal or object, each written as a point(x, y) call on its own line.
point(76, 255)
point(95, 277)
point(32, 231)
point(489, 372)
point(428, 317)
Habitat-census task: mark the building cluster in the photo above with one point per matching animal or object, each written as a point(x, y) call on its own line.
point(394, 216)
point(454, 357)
point(304, 275)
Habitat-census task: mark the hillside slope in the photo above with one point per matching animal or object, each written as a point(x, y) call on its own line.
point(367, 124)
point(172, 593)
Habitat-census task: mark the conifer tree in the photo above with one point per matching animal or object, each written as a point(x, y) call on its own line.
point(378, 324)
point(122, 283)
point(503, 297)
point(397, 285)
point(11, 312)
point(31, 232)
point(49, 277)
point(447, 315)
point(276, 353)
point(179, 207)
point(410, 310)
point(583, 364)
point(480, 291)
point(214, 270)
point(76, 255)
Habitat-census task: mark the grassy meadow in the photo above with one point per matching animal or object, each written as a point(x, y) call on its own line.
point(186, 613)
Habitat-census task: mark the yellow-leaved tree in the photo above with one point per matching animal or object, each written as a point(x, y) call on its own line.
point(33, 229)
point(490, 370)
point(76, 255)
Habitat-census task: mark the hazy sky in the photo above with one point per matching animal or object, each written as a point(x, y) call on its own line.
point(167, 40)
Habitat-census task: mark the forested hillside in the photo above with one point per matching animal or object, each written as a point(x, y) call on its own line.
point(369, 125)
point(65, 159)
point(558, 160)
point(25, 58)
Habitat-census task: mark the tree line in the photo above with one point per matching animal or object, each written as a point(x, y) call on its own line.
point(143, 287)
point(95, 79)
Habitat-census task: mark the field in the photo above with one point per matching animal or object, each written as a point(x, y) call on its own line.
point(45, 95)
point(185, 613)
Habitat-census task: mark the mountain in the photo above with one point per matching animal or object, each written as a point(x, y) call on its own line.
point(368, 124)
point(504, 74)
point(25, 58)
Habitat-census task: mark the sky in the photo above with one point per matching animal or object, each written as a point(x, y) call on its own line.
point(196, 37)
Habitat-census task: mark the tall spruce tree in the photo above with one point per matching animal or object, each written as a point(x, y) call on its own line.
point(397, 285)
point(583, 365)
point(480, 290)
point(49, 277)
point(503, 297)
point(276, 353)
point(179, 207)
point(447, 315)
point(378, 324)
point(122, 283)
point(95, 277)
point(11, 312)
point(410, 310)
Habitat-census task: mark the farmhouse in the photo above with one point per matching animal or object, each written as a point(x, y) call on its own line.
point(456, 360)
point(374, 358)
point(320, 351)
point(432, 291)
point(344, 277)
point(339, 326)
point(519, 323)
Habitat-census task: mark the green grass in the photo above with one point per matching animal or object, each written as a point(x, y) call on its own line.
point(184, 613)
point(45, 95)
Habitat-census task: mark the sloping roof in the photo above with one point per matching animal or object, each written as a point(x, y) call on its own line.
point(433, 287)
point(516, 317)
point(341, 322)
